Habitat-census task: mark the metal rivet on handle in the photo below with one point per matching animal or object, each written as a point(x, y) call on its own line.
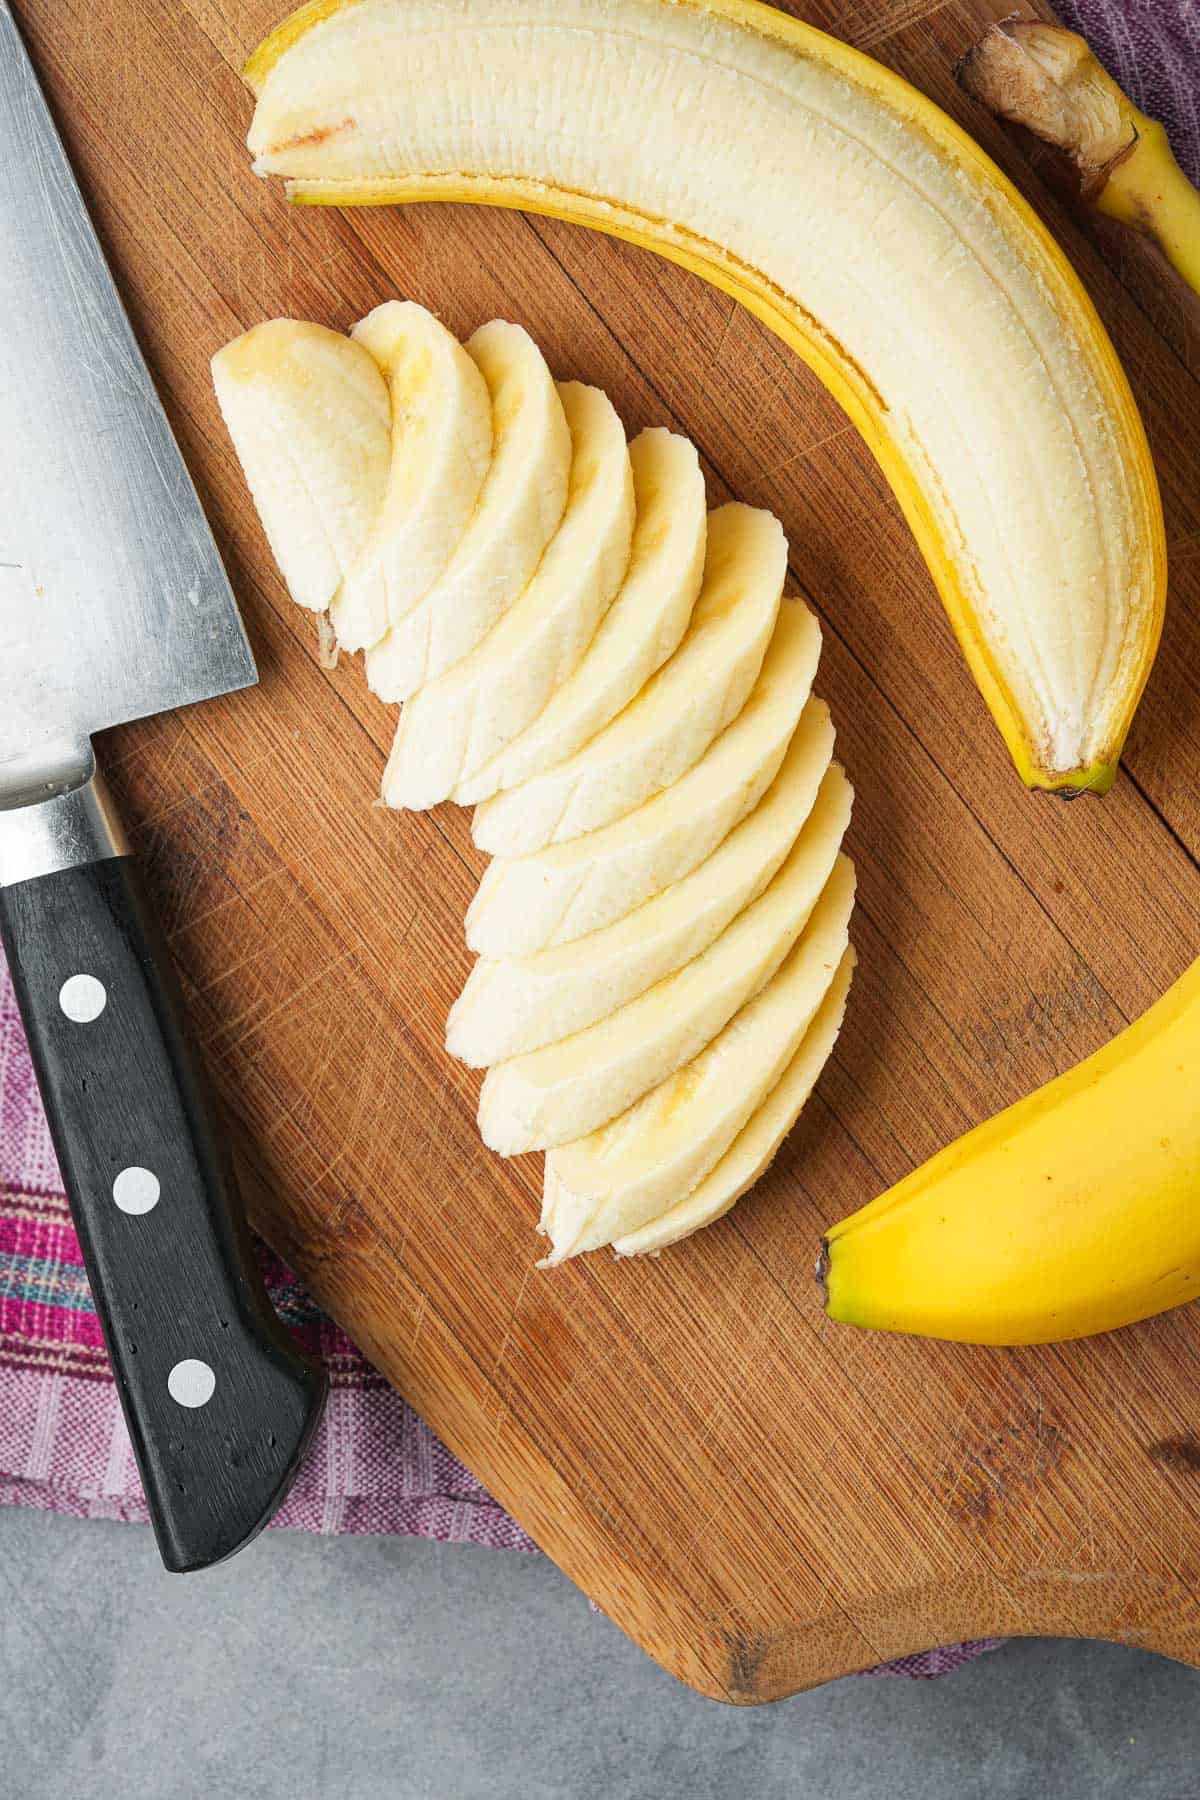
point(82, 998)
point(136, 1190)
point(191, 1382)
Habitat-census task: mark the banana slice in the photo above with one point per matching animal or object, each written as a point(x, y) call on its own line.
point(555, 1095)
point(518, 511)
point(618, 1179)
point(509, 1008)
point(677, 714)
point(310, 419)
point(641, 628)
point(570, 889)
point(456, 724)
point(753, 1150)
point(440, 450)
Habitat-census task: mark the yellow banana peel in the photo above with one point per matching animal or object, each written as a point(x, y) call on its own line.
point(1047, 79)
point(858, 222)
point(1075, 1211)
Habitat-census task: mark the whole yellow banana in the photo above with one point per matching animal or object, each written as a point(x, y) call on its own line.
point(854, 218)
point(1074, 1211)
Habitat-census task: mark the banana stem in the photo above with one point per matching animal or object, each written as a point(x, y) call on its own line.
point(1047, 79)
point(1151, 192)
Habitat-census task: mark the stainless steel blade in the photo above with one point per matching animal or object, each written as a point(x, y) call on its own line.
point(113, 600)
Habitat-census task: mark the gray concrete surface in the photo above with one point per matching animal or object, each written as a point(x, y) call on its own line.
point(385, 1669)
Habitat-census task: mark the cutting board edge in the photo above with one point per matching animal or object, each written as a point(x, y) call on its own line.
point(753, 1661)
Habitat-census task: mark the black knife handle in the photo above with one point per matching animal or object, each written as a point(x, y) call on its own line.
point(220, 1403)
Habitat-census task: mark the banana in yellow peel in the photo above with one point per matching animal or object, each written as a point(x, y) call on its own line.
point(1075, 1211)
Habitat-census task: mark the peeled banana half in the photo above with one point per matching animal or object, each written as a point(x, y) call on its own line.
point(851, 215)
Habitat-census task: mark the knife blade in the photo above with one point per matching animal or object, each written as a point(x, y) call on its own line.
point(113, 599)
point(114, 605)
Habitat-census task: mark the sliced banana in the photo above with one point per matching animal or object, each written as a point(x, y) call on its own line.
point(456, 724)
point(512, 1007)
point(567, 890)
point(441, 445)
point(616, 678)
point(642, 626)
point(753, 1149)
point(555, 1095)
point(678, 712)
point(310, 419)
point(616, 1180)
point(518, 511)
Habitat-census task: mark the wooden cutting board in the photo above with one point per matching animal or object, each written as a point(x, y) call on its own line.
point(761, 1499)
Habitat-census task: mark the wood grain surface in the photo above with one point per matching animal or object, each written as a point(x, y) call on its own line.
point(761, 1499)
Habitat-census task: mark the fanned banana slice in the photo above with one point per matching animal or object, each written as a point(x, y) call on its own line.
point(558, 1094)
point(440, 449)
point(641, 628)
point(518, 511)
point(753, 1150)
point(310, 419)
point(570, 889)
point(456, 724)
point(679, 711)
point(618, 1179)
point(509, 1008)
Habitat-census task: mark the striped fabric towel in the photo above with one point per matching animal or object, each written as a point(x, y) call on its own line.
point(373, 1466)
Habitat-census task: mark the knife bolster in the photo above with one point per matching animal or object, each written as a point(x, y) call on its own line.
point(63, 832)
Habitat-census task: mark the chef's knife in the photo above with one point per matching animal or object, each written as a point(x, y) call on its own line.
point(114, 605)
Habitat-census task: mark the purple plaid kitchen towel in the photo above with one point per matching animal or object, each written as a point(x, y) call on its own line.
point(373, 1466)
